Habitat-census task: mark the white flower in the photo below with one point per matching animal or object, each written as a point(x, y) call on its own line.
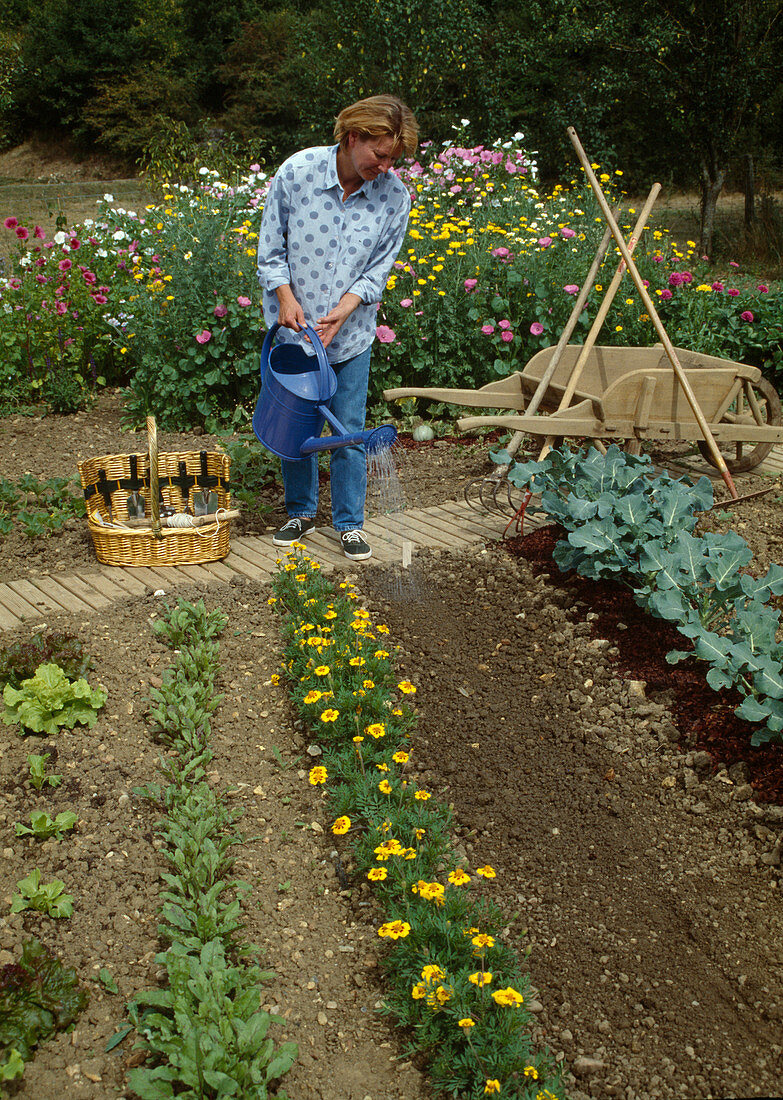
point(88, 223)
point(519, 136)
point(60, 237)
point(464, 122)
point(102, 253)
point(108, 198)
point(119, 235)
point(203, 171)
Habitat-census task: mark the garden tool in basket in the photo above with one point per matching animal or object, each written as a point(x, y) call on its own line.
point(293, 404)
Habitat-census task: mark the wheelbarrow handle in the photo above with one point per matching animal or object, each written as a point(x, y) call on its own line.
point(320, 351)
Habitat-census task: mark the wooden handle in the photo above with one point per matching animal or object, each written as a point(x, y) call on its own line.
point(196, 521)
point(152, 437)
point(653, 314)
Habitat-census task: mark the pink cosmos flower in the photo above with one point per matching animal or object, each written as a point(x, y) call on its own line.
point(502, 254)
point(746, 316)
point(658, 259)
point(22, 233)
point(545, 241)
point(204, 336)
point(255, 167)
point(686, 277)
point(666, 294)
point(220, 311)
point(733, 292)
point(405, 302)
point(470, 284)
point(74, 243)
point(762, 289)
point(734, 264)
point(536, 328)
point(507, 336)
point(675, 279)
point(385, 334)
point(504, 324)
point(61, 307)
point(89, 277)
point(487, 329)
point(243, 301)
point(567, 232)
point(717, 286)
point(571, 288)
point(100, 299)
point(10, 223)
point(65, 265)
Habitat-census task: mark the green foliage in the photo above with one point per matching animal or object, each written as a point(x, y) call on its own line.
point(253, 469)
point(19, 660)
point(42, 826)
point(49, 701)
point(189, 622)
point(621, 523)
point(38, 997)
point(46, 897)
point(39, 508)
point(38, 777)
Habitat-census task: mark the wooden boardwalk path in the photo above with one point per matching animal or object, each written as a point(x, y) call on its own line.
point(450, 526)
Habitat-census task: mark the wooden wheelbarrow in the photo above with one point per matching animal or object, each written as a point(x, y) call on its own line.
point(631, 394)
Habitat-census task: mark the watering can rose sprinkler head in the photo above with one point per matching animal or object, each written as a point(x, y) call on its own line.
point(375, 440)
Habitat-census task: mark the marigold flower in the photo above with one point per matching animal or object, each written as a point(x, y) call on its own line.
point(492, 1085)
point(377, 874)
point(466, 1022)
point(486, 872)
point(357, 662)
point(422, 796)
point(481, 977)
point(507, 997)
point(406, 687)
point(376, 730)
point(432, 972)
point(401, 757)
point(459, 877)
point(531, 1071)
point(385, 786)
point(318, 775)
point(380, 654)
point(321, 670)
point(341, 825)
point(330, 715)
point(419, 991)
point(483, 940)
point(394, 930)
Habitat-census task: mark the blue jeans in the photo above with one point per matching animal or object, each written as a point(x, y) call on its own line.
point(348, 465)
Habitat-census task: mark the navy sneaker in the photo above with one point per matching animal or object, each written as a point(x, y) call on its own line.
point(355, 546)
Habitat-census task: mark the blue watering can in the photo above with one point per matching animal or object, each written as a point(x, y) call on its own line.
point(292, 406)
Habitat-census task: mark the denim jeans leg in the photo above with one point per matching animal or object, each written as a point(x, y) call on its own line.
point(348, 469)
point(300, 481)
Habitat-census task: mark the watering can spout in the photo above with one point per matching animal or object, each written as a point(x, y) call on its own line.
point(374, 440)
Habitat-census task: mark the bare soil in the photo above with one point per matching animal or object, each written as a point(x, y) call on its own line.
point(642, 860)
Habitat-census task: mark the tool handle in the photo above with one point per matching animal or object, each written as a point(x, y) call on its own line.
point(320, 351)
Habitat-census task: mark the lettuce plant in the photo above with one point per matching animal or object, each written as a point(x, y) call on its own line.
point(42, 826)
point(38, 996)
point(46, 897)
point(49, 700)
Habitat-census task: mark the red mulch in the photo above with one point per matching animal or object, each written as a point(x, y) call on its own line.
point(705, 718)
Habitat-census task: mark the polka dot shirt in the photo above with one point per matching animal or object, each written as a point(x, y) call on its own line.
point(323, 247)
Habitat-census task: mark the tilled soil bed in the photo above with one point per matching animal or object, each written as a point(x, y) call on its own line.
point(643, 876)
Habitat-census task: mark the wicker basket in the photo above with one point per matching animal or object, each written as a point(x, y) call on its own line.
point(164, 480)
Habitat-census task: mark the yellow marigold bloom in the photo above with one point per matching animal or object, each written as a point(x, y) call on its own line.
point(467, 1022)
point(438, 997)
point(507, 997)
point(492, 1085)
point(274, 679)
point(531, 1071)
point(272, 600)
point(341, 825)
point(330, 715)
point(422, 796)
point(419, 991)
point(420, 833)
point(330, 614)
point(376, 730)
point(312, 697)
point(318, 775)
point(357, 662)
point(358, 739)
point(406, 687)
point(380, 654)
point(301, 577)
point(395, 929)
point(459, 877)
point(368, 684)
point(382, 767)
point(382, 629)
point(408, 853)
point(321, 670)
point(377, 874)
point(432, 973)
point(385, 786)
point(481, 977)
point(397, 711)
point(401, 757)
point(483, 940)
point(486, 871)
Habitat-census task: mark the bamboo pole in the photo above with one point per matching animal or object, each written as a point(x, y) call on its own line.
point(653, 314)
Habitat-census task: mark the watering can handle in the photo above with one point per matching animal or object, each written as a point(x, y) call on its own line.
point(320, 351)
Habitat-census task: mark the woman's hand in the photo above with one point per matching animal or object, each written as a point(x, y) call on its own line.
point(327, 327)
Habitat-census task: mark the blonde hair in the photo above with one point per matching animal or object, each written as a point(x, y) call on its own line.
point(379, 116)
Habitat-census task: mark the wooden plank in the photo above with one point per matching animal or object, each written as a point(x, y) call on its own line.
point(124, 576)
point(219, 571)
point(323, 547)
point(17, 605)
point(425, 533)
point(237, 561)
point(256, 553)
point(37, 594)
point(199, 573)
point(7, 620)
point(113, 590)
point(148, 577)
point(84, 591)
point(488, 528)
point(52, 587)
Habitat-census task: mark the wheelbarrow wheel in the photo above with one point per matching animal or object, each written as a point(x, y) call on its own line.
point(756, 403)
